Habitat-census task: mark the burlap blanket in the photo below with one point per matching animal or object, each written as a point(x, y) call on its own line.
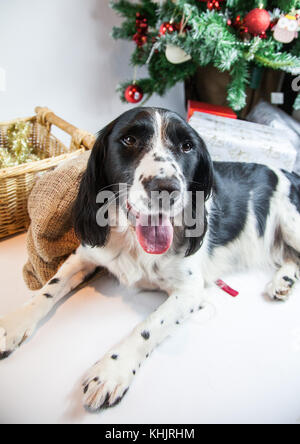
point(51, 238)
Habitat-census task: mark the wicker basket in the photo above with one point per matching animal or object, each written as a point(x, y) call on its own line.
point(17, 182)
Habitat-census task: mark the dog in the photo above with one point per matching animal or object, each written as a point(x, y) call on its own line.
point(247, 215)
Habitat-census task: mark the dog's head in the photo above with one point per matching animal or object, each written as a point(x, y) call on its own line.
point(164, 163)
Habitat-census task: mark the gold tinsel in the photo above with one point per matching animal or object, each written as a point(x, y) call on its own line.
point(19, 149)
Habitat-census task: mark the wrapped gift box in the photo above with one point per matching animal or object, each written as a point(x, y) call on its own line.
point(230, 140)
point(274, 117)
point(202, 107)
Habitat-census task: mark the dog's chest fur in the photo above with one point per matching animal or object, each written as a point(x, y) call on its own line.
point(126, 260)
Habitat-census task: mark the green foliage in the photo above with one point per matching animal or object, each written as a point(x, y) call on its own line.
point(208, 40)
point(288, 5)
point(296, 48)
point(281, 60)
point(165, 75)
point(237, 87)
point(128, 10)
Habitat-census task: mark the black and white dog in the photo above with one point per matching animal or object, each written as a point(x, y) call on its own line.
point(250, 216)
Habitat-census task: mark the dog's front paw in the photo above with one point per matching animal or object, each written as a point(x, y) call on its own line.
point(107, 382)
point(281, 288)
point(14, 330)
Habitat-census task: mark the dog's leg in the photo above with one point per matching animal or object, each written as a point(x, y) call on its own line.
point(16, 327)
point(109, 379)
point(284, 280)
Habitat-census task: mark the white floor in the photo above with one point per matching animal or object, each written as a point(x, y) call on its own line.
point(236, 362)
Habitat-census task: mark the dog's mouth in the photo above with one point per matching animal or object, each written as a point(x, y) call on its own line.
point(154, 232)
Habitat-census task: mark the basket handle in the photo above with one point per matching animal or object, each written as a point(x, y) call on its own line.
point(79, 137)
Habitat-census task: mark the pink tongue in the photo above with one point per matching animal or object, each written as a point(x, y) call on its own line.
point(154, 239)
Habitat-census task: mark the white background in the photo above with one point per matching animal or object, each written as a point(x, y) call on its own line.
point(59, 54)
point(239, 361)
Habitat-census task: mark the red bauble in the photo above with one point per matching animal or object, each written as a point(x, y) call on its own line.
point(214, 4)
point(141, 23)
point(140, 39)
point(168, 27)
point(257, 21)
point(134, 94)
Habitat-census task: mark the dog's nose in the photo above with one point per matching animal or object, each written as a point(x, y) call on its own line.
point(170, 185)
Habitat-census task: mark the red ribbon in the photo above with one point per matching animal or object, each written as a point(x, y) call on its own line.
point(226, 288)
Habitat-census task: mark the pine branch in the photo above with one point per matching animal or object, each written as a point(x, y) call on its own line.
point(284, 61)
point(126, 31)
point(212, 40)
point(128, 10)
point(168, 10)
point(124, 8)
point(296, 48)
point(288, 5)
point(165, 74)
point(237, 88)
point(239, 4)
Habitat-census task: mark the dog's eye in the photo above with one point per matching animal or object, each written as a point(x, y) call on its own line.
point(187, 146)
point(129, 140)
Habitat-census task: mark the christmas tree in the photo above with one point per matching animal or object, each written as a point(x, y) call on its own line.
point(174, 37)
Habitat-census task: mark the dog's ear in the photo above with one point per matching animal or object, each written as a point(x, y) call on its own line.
point(204, 174)
point(93, 181)
point(202, 182)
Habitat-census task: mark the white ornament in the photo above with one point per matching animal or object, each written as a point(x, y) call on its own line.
point(286, 30)
point(176, 55)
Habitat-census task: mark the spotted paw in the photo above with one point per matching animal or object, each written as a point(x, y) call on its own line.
point(107, 382)
point(14, 330)
point(281, 288)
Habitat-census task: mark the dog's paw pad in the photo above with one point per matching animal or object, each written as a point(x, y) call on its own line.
point(103, 396)
point(106, 384)
point(280, 289)
point(13, 332)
